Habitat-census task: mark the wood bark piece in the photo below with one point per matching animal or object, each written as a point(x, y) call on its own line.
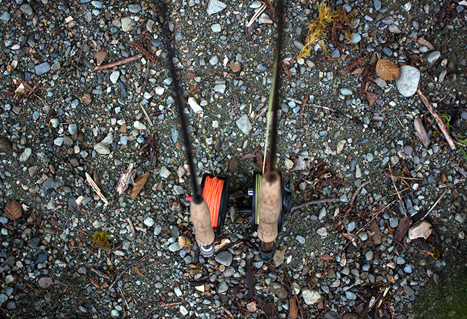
point(422, 135)
point(96, 188)
point(437, 119)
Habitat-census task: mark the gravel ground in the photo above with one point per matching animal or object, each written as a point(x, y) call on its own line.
point(339, 260)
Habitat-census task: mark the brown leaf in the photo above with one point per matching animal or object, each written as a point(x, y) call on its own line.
point(4, 143)
point(421, 132)
point(138, 185)
point(357, 71)
point(402, 229)
point(270, 311)
point(138, 271)
point(326, 257)
point(375, 237)
point(371, 97)
point(249, 279)
point(13, 210)
point(387, 70)
point(248, 156)
point(293, 313)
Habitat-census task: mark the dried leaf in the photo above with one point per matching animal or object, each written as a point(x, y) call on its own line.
point(279, 256)
point(293, 313)
point(270, 311)
point(387, 70)
point(402, 229)
point(357, 71)
point(249, 279)
point(302, 163)
point(375, 237)
point(371, 97)
point(421, 132)
point(326, 257)
point(126, 179)
point(4, 143)
point(248, 156)
point(138, 271)
point(13, 210)
point(138, 185)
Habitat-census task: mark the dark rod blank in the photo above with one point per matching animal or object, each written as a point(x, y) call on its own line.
point(197, 197)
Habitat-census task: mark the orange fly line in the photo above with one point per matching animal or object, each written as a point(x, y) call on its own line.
point(212, 193)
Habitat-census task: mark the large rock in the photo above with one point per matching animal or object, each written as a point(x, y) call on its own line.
point(407, 82)
point(311, 296)
point(215, 6)
point(244, 124)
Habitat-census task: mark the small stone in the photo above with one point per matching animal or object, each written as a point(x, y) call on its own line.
point(5, 17)
point(244, 124)
point(214, 60)
point(408, 150)
point(356, 38)
point(345, 91)
point(175, 247)
point(335, 54)
point(139, 126)
point(216, 28)
point(25, 155)
point(393, 222)
point(114, 76)
point(233, 164)
point(432, 57)
point(134, 8)
point(350, 295)
point(350, 226)
point(101, 149)
point(288, 164)
point(58, 141)
point(460, 217)
point(100, 56)
point(310, 296)
point(194, 105)
point(369, 255)
point(409, 291)
point(358, 172)
point(183, 311)
point(42, 68)
point(394, 29)
point(165, 173)
point(86, 98)
point(73, 129)
point(45, 282)
point(322, 213)
point(224, 257)
point(127, 24)
point(148, 221)
point(114, 313)
point(178, 190)
point(377, 4)
point(279, 290)
point(264, 19)
point(407, 82)
point(322, 232)
point(159, 90)
point(223, 287)
point(215, 6)
point(50, 184)
point(26, 9)
point(235, 66)
point(300, 239)
point(220, 88)
point(400, 260)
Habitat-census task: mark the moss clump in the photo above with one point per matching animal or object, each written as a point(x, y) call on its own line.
point(101, 239)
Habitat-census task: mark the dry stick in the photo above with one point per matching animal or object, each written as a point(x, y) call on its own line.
point(353, 199)
point(96, 188)
point(397, 191)
point(293, 289)
point(434, 205)
point(171, 304)
point(146, 75)
point(133, 264)
point(124, 299)
point(98, 272)
point(438, 120)
point(117, 63)
point(325, 108)
point(256, 15)
point(146, 114)
point(315, 202)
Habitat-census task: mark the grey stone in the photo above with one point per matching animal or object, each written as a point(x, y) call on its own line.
point(223, 287)
point(194, 105)
point(322, 232)
point(149, 221)
point(394, 29)
point(350, 226)
point(50, 184)
point(101, 149)
point(358, 171)
point(42, 68)
point(216, 28)
point(58, 141)
point(350, 295)
point(178, 190)
point(25, 155)
point(244, 124)
point(356, 38)
point(408, 150)
point(26, 9)
point(400, 260)
point(34, 242)
point(369, 255)
point(97, 4)
point(407, 82)
point(214, 60)
point(134, 8)
point(345, 91)
point(165, 173)
point(215, 6)
point(139, 126)
point(432, 57)
point(279, 290)
point(175, 247)
point(3, 298)
point(73, 206)
point(224, 257)
point(114, 76)
point(300, 239)
point(174, 135)
point(335, 54)
point(220, 88)
point(127, 24)
point(310, 296)
point(5, 17)
point(393, 222)
point(377, 4)
point(73, 129)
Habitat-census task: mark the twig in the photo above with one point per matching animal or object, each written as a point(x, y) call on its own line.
point(327, 109)
point(133, 264)
point(315, 202)
point(171, 304)
point(132, 228)
point(438, 120)
point(99, 273)
point(146, 114)
point(146, 74)
point(96, 188)
point(117, 63)
point(124, 299)
point(354, 196)
point(434, 205)
point(256, 15)
point(397, 191)
point(295, 294)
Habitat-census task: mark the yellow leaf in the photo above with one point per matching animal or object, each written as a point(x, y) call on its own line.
point(387, 70)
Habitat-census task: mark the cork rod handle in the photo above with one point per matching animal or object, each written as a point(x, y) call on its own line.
point(202, 223)
point(269, 207)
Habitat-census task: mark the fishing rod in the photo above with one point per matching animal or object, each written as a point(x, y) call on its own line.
point(270, 200)
point(209, 202)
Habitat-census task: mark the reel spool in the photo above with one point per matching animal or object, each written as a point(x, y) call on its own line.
point(215, 190)
point(286, 198)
